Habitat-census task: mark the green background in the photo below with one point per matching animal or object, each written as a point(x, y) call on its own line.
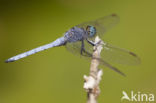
point(55, 75)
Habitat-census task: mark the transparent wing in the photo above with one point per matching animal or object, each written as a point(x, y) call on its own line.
point(109, 53)
point(75, 48)
point(102, 24)
point(117, 55)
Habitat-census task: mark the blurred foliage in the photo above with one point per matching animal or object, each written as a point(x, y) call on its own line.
point(56, 75)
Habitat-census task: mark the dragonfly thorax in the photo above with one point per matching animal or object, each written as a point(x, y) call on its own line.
point(75, 34)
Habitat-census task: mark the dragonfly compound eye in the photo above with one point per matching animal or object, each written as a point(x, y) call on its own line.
point(91, 30)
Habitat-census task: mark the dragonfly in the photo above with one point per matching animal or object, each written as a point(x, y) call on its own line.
point(80, 40)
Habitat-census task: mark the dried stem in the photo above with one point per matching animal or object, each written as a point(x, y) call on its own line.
point(92, 81)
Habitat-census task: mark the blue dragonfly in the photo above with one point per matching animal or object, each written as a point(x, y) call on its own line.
point(80, 40)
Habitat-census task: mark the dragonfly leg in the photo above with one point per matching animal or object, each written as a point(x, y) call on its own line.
point(84, 51)
point(82, 47)
point(87, 53)
point(91, 42)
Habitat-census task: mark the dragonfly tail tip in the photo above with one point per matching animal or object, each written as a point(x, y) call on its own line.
point(8, 61)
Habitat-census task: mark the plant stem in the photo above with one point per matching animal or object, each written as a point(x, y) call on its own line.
point(92, 81)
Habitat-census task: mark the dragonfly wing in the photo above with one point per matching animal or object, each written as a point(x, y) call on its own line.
point(103, 24)
point(117, 55)
point(104, 63)
point(75, 48)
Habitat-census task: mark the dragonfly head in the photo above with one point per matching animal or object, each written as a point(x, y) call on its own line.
point(91, 30)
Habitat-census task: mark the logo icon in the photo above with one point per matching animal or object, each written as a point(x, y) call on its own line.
point(138, 96)
point(125, 96)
